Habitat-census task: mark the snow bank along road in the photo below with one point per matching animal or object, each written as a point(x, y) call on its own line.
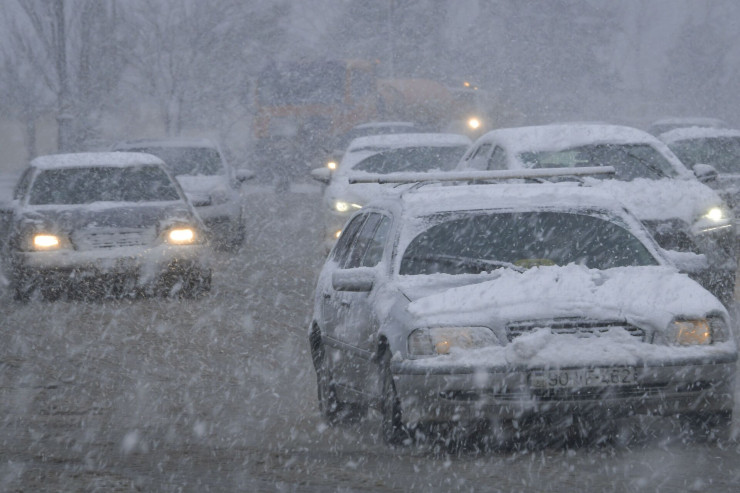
point(219, 394)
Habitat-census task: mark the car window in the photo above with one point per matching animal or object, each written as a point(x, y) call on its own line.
point(72, 186)
point(630, 161)
point(22, 185)
point(479, 158)
point(413, 159)
point(362, 241)
point(721, 152)
point(481, 242)
point(341, 249)
point(376, 246)
point(498, 159)
point(188, 160)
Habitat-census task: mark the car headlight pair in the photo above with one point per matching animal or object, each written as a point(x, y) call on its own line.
point(342, 206)
point(697, 332)
point(431, 341)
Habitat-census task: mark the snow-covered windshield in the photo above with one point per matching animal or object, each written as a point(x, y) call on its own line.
point(629, 160)
point(73, 186)
point(478, 242)
point(721, 152)
point(187, 160)
point(416, 159)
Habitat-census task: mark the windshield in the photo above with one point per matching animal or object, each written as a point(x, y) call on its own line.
point(70, 186)
point(187, 160)
point(478, 242)
point(415, 159)
point(630, 161)
point(721, 152)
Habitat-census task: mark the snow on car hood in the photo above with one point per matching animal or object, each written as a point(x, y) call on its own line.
point(655, 295)
point(657, 200)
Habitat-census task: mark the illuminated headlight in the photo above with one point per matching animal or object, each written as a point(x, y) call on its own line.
point(698, 332)
point(714, 218)
point(716, 214)
point(442, 340)
point(474, 123)
point(44, 241)
point(181, 236)
point(342, 206)
point(332, 165)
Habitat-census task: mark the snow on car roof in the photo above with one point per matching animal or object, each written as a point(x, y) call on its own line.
point(137, 144)
point(392, 141)
point(87, 159)
point(687, 120)
point(563, 136)
point(697, 133)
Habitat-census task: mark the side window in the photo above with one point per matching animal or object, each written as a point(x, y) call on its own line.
point(498, 159)
point(479, 159)
point(23, 183)
point(341, 249)
point(374, 252)
point(362, 240)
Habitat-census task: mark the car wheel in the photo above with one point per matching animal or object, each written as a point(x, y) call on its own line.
point(334, 411)
point(393, 431)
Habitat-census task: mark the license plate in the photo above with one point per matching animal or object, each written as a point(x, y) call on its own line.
point(582, 377)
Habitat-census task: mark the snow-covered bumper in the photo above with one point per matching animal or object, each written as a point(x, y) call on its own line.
point(434, 392)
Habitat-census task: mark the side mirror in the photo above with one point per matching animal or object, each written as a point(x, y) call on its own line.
point(243, 175)
point(705, 172)
point(687, 262)
point(321, 174)
point(360, 279)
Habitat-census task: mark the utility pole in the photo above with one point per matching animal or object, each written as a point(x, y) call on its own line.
point(64, 116)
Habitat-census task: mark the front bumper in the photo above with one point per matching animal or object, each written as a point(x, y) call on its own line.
point(459, 394)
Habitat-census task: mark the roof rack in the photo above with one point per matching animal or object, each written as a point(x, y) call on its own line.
point(496, 175)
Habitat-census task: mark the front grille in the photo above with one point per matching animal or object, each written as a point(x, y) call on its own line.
point(113, 238)
point(577, 327)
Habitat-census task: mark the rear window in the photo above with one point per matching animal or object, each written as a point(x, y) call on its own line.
point(70, 186)
point(187, 160)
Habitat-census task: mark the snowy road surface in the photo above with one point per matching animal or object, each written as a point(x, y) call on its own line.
point(218, 394)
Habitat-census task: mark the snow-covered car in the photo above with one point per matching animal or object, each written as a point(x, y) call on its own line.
point(711, 150)
point(667, 124)
point(210, 183)
point(681, 212)
point(109, 223)
point(502, 303)
point(378, 156)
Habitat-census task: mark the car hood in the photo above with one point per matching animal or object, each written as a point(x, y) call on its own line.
point(639, 295)
point(115, 215)
point(661, 200)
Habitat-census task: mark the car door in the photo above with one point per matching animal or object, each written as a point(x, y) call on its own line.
point(357, 322)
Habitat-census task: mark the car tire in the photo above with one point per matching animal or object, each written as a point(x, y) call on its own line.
point(393, 430)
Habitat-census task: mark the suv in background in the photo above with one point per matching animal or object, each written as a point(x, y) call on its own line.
point(208, 181)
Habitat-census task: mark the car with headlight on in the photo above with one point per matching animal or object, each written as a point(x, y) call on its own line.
point(102, 224)
point(681, 211)
point(210, 183)
point(486, 307)
point(381, 156)
point(664, 125)
point(715, 151)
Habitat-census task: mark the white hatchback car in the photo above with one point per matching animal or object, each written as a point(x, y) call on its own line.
point(502, 304)
point(681, 212)
point(382, 156)
point(209, 182)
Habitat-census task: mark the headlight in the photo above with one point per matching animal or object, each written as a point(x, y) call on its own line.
point(473, 123)
point(716, 214)
point(332, 165)
point(45, 241)
point(441, 340)
point(181, 236)
point(342, 206)
point(714, 218)
point(694, 332)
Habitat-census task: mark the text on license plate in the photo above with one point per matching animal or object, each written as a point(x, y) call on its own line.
point(582, 377)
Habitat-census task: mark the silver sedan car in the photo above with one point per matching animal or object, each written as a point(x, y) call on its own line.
point(498, 305)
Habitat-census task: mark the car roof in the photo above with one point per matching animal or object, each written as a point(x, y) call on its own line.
point(178, 142)
point(687, 120)
point(95, 159)
point(437, 198)
point(697, 133)
point(561, 136)
point(394, 141)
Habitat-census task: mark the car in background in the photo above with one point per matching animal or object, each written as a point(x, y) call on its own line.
point(379, 156)
point(681, 212)
point(210, 183)
point(715, 151)
point(667, 124)
point(343, 141)
point(107, 224)
point(491, 307)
